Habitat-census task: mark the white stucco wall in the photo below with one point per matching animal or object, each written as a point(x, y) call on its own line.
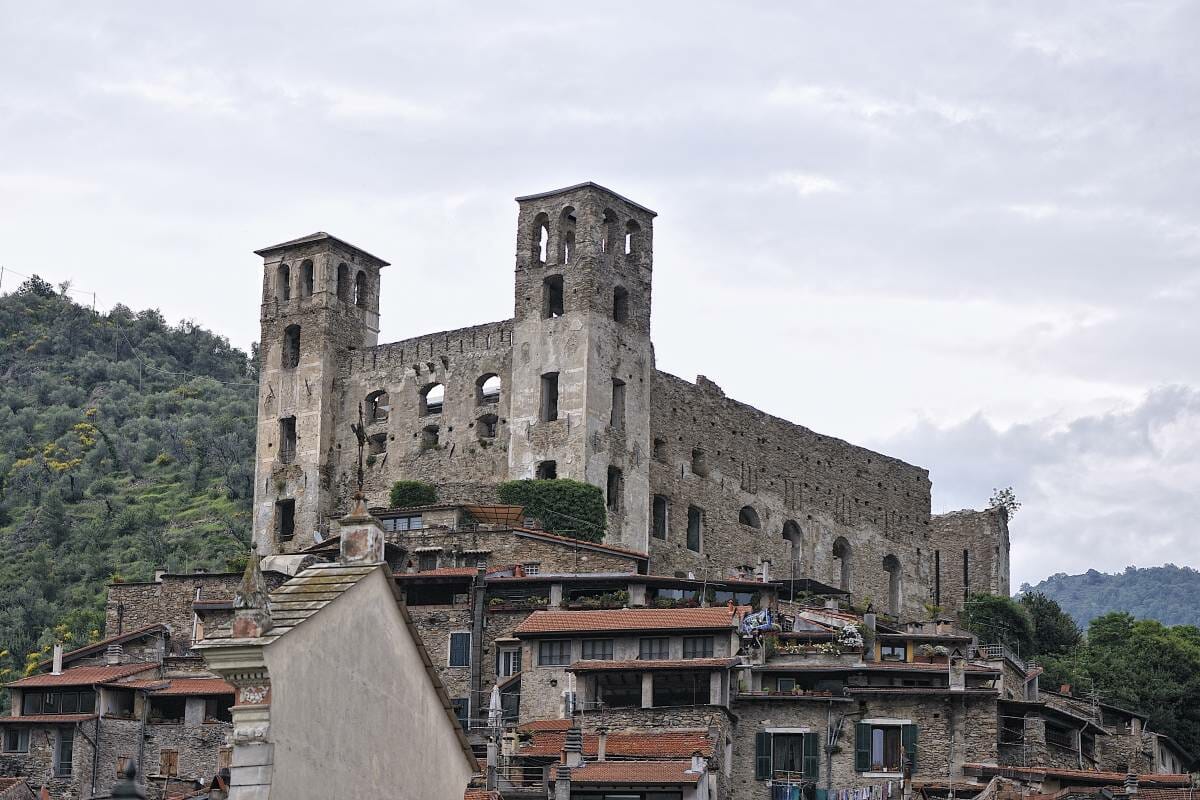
point(353, 712)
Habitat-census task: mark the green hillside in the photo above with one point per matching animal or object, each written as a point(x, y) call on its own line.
point(1169, 594)
point(126, 444)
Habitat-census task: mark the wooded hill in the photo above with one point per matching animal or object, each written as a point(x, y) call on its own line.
point(126, 444)
point(1169, 594)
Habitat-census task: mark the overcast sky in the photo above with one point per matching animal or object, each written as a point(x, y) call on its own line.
point(963, 233)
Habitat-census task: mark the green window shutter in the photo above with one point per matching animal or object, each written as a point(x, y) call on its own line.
point(812, 756)
point(862, 747)
point(908, 737)
point(762, 756)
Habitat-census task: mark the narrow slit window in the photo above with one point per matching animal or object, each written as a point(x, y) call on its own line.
point(308, 278)
point(290, 356)
point(620, 311)
point(615, 486)
point(660, 511)
point(285, 520)
point(695, 523)
point(287, 440)
point(617, 414)
point(549, 407)
point(283, 283)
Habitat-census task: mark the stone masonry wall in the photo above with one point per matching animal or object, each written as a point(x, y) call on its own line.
point(507, 547)
point(130, 606)
point(983, 536)
point(826, 487)
point(435, 624)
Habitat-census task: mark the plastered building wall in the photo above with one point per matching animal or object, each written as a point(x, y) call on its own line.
point(583, 271)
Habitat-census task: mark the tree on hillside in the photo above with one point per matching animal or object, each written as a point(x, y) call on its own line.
point(999, 620)
point(1054, 632)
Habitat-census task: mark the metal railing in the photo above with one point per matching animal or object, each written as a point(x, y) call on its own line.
point(996, 652)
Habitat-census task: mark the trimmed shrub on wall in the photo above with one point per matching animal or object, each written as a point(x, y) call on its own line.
point(567, 507)
point(406, 494)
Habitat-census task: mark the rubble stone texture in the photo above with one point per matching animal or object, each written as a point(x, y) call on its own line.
point(579, 390)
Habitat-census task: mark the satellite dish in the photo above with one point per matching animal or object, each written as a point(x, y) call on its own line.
point(318, 537)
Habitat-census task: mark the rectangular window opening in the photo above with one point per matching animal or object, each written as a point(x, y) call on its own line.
point(460, 649)
point(285, 520)
point(617, 416)
point(554, 653)
point(659, 515)
point(694, 524)
point(287, 440)
point(552, 297)
point(656, 648)
point(616, 486)
point(697, 647)
point(549, 409)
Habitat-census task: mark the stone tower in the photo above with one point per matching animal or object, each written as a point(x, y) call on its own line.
point(582, 361)
point(320, 302)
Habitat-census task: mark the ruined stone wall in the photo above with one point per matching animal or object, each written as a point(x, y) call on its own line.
point(965, 724)
point(506, 547)
point(465, 464)
point(825, 487)
point(983, 536)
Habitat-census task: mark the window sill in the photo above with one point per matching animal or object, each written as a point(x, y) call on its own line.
point(882, 774)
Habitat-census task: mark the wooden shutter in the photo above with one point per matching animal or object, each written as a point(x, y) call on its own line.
point(460, 649)
point(908, 738)
point(862, 747)
point(762, 756)
point(812, 756)
point(168, 762)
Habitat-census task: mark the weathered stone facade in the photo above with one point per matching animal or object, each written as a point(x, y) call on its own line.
point(578, 389)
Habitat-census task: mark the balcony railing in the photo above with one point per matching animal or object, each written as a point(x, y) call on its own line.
point(996, 652)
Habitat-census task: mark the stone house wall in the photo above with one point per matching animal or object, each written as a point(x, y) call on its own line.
point(168, 601)
point(435, 624)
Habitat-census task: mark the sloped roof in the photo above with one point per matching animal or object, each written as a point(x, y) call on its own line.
point(46, 719)
point(102, 645)
point(662, 744)
point(584, 185)
point(83, 676)
point(630, 619)
point(319, 236)
point(656, 773)
point(440, 572)
point(645, 665)
point(177, 687)
point(1080, 775)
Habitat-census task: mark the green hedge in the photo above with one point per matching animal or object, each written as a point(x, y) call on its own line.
point(406, 494)
point(564, 506)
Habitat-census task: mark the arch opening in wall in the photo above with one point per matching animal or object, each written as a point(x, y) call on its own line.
point(608, 231)
point(308, 278)
point(290, 352)
point(283, 283)
point(552, 297)
point(620, 307)
point(377, 444)
point(360, 289)
point(429, 437)
point(486, 426)
point(433, 397)
point(487, 389)
point(749, 517)
point(546, 470)
point(379, 406)
point(541, 237)
point(566, 235)
point(793, 534)
point(343, 282)
point(891, 565)
point(633, 237)
point(843, 556)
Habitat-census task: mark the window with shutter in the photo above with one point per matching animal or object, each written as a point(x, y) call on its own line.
point(762, 756)
point(909, 737)
point(812, 756)
point(168, 762)
point(460, 649)
point(862, 747)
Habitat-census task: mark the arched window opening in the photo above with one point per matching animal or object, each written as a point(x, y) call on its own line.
point(487, 389)
point(429, 437)
point(283, 283)
point(379, 406)
point(632, 231)
point(793, 534)
point(748, 516)
point(308, 278)
point(343, 282)
point(552, 296)
point(360, 289)
point(842, 556)
point(699, 463)
point(486, 426)
point(620, 309)
point(608, 232)
point(432, 398)
point(616, 484)
point(891, 565)
point(290, 356)
point(547, 470)
point(660, 450)
point(541, 237)
point(566, 235)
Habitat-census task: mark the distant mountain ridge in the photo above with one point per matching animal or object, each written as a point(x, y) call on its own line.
point(1169, 594)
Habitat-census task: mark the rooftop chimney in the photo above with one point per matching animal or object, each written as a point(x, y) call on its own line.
point(1065, 689)
point(361, 536)
point(562, 783)
point(158, 575)
point(764, 568)
point(698, 762)
point(572, 751)
point(831, 604)
point(1131, 784)
point(114, 654)
point(57, 669)
point(869, 636)
point(601, 743)
point(251, 604)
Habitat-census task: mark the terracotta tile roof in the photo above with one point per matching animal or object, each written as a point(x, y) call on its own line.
point(664, 744)
point(1083, 775)
point(554, 537)
point(440, 572)
point(168, 687)
point(546, 725)
point(630, 619)
point(480, 794)
point(643, 665)
point(664, 773)
point(83, 676)
point(872, 666)
point(96, 647)
point(46, 719)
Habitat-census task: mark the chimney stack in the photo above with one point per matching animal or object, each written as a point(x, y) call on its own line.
point(114, 654)
point(361, 536)
point(869, 621)
point(573, 747)
point(698, 762)
point(1131, 784)
point(601, 743)
point(831, 604)
point(562, 783)
point(251, 604)
point(58, 653)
